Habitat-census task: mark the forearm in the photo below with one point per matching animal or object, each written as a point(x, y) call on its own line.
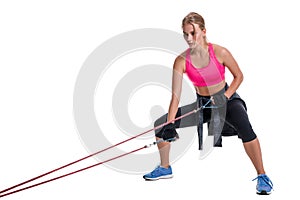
point(235, 70)
point(173, 109)
point(236, 82)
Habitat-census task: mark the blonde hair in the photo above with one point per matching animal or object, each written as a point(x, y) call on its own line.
point(194, 18)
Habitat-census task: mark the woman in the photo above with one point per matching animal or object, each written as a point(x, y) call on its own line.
point(220, 106)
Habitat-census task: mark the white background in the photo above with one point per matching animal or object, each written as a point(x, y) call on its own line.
point(43, 46)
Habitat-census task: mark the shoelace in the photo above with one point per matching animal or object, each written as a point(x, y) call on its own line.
point(265, 180)
point(155, 171)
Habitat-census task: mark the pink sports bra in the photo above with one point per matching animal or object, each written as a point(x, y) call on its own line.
point(209, 75)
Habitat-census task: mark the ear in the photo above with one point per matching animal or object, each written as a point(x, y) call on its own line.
point(204, 32)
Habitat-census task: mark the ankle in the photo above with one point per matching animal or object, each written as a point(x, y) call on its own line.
point(261, 172)
point(165, 166)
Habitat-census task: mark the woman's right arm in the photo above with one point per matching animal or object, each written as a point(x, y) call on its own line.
point(178, 70)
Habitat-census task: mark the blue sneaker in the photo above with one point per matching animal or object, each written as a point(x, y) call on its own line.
point(159, 173)
point(264, 184)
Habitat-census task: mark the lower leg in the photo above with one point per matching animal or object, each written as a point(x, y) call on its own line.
point(164, 152)
point(253, 150)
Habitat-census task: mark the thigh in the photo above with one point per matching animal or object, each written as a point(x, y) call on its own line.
point(237, 117)
point(190, 120)
point(236, 112)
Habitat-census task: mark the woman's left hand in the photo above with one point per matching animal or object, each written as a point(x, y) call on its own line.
point(219, 100)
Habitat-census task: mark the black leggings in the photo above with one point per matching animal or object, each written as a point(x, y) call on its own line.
point(236, 120)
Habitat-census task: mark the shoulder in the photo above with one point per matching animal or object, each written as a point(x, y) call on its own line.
point(221, 52)
point(181, 58)
point(179, 62)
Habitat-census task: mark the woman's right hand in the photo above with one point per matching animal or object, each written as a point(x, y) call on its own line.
point(168, 132)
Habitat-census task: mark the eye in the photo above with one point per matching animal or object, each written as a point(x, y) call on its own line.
point(193, 33)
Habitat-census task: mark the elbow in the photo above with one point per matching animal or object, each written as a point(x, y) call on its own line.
point(239, 77)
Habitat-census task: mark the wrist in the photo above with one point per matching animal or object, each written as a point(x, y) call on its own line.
point(227, 96)
point(171, 121)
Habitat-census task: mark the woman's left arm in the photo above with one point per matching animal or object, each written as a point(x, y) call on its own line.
point(229, 61)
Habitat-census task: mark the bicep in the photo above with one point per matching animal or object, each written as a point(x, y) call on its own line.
point(177, 76)
point(230, 63)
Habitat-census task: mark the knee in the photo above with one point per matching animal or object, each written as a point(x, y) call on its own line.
point(250, 136)
point(159, 122)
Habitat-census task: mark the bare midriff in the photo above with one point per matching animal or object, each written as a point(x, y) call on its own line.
point(210, 90)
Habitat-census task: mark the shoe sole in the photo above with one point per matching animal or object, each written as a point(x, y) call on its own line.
point(161, 177)
point(263, 192)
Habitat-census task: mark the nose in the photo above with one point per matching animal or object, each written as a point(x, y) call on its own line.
point(188, 37)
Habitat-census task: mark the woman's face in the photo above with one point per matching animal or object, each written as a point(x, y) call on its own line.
point(193, 35)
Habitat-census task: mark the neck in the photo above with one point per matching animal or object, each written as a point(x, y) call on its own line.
point(200, 49)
